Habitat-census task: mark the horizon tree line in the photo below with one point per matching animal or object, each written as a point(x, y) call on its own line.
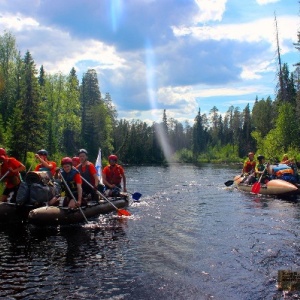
point(61, 114)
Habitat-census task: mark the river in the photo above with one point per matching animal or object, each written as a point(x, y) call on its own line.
point(190, 237)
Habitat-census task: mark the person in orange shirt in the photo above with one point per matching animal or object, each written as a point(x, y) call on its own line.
point(12, 178)
point(75, 161)
point(88, 171)
point(45, 164)
point(74, 184)
point(249, 164)
point(112, 175)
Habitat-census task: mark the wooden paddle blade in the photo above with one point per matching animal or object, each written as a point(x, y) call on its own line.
point(123, 212)
point(136, 196)
point(256, 188)
point(229, 182)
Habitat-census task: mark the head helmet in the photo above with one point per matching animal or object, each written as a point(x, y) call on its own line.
point(76, 159)
point(42, 152)
point(3, 152)
point(113, 157)
point(250, 153)
point(260, 157)
point(66, 160)
point(285, 156)
point(82, 151)
point(2, 157)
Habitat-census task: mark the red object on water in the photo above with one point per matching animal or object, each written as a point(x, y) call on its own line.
point(256, 188)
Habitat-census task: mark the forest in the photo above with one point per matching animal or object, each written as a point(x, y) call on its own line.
point(60, 113)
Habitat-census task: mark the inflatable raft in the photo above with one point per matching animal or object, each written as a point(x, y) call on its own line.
point(273, 187)
point(12, 213)
point(57, 215)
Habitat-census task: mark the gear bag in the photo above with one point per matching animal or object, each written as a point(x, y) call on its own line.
point(41, 194)
point(23, 193)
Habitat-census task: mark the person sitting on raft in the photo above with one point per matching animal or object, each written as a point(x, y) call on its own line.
point(75, 161)
point(249, 169)
point(45, 164)
point(112, 176)
point(74, 182)
point(10, 169)
point(261, 169)
point(249, 164)
point(285, 160)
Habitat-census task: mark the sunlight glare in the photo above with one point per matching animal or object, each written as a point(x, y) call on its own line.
point(116, 8)
point(151, 88)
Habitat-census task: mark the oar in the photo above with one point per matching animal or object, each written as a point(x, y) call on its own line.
point(135, 196)
point(119, 210)
point(4, 175)
point(66, 185)
point(231, 182)
point(256, 186)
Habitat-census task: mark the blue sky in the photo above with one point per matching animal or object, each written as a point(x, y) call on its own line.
point(152, 55)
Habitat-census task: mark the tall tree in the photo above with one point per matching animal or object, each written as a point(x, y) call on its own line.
point(72, 122)
point(8, 55)
point(27, 130)
point(199, 135)
point(90, 96)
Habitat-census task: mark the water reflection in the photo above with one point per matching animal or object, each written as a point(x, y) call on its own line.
point(188, 238)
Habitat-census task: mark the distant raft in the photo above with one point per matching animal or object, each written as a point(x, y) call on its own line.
point(273, 187)
point(57, 215)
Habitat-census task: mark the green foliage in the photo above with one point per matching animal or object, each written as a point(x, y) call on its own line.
point(56, 112)
point(184, 155)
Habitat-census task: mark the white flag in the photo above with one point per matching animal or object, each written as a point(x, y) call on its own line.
point(98, 166)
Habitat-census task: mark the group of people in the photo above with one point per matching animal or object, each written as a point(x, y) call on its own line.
point(78, 177)
point(260, 171)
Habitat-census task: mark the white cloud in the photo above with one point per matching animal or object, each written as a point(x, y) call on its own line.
point(256, 31)
point(57, 50)
point(17, 22)
point(263, 2)
point(210, 10)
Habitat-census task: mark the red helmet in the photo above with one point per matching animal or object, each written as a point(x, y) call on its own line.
point(76, 159)
point(66, 160)
point(3, 152)
point(2, 157)
point(113, 157)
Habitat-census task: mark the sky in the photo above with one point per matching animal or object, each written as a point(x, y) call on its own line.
point(151, 55)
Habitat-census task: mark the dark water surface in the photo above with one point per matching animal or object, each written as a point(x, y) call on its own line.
point(190, 237)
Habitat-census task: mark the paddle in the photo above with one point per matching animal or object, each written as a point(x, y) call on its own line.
point(119, 210)
point(231, 182)
point(4, 175)
point(135, 196)
point(256, 186)
point(66, 185)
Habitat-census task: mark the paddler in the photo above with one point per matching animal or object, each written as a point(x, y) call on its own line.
point(10, 169)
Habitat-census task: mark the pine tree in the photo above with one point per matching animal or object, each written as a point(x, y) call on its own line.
point(27, 123)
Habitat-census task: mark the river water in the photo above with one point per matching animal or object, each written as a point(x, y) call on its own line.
point(190, 237)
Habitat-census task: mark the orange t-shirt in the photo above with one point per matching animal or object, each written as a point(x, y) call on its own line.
point(113, 174)
point(40, 167)
point(77, 179)
point(11, 179)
